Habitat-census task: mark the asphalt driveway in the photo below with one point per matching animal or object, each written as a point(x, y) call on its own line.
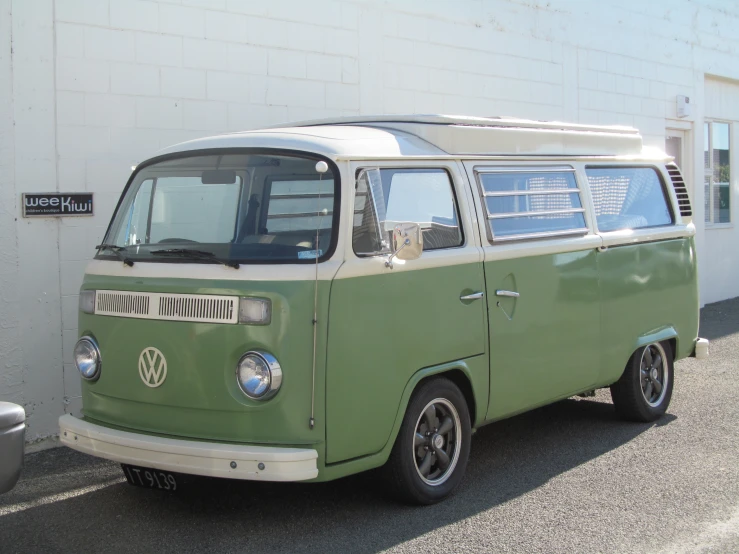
point(566, 478)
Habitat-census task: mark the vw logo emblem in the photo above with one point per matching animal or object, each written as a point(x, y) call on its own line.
point(152, 367)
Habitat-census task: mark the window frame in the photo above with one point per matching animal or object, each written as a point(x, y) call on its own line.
point(708, 172)
point(455, 198)
point(585, 200)
point(155, 184)
point(666, 191)
point(264, 208)
point(236, 150)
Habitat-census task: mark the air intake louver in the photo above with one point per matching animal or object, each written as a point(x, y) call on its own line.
point(122, 304)
point(174, 307)
point(221, 309)
point(681, 191)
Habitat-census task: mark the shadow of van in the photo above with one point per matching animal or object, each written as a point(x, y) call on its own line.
point(508, 459)
point(720, 319)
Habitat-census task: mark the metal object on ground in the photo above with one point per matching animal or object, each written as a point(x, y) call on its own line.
point(12, 435)
point(701, 349)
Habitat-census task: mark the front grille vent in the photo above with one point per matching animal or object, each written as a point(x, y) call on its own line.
point(173, 307)
point(197, 308)
point(122, 304)
point(681, 191)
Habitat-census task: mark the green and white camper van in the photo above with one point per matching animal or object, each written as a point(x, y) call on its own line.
point(306, 302)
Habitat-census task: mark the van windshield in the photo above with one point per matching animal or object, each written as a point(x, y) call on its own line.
point(239, 208)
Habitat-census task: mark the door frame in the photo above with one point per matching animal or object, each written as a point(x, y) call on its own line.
point(686, 154)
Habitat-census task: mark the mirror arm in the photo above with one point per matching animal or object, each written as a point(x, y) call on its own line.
point(389, 261)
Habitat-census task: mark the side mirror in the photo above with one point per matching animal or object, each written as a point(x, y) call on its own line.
point(407, 243)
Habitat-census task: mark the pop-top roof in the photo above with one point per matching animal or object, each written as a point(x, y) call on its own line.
point(394, 136)
point(468, 135)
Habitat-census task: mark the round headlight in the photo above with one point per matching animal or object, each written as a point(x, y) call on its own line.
point(87, 358)
point(259, 375)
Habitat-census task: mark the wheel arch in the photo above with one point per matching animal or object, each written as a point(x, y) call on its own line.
point(460, 373)
point(665, 334)
point(470, 375)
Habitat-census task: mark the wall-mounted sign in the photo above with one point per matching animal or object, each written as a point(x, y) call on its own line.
point(56, 204)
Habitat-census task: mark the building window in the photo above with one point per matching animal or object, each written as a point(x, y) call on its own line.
point(717, 177)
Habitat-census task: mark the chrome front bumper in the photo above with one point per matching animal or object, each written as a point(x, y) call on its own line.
point(231, 461)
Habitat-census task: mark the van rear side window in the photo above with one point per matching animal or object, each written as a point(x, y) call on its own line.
point(628, 198)
point(529, 204)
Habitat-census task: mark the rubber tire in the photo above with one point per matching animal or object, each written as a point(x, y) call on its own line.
point(626, 393)
point(400, 471)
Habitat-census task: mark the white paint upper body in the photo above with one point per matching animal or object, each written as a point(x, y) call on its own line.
point(367, 137)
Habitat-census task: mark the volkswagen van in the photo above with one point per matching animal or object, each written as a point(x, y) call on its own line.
point(306, 302)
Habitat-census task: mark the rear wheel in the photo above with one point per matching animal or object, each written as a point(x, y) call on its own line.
point(433, 445)
point(644, 390)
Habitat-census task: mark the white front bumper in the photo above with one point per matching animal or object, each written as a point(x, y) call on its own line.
point(193, 457)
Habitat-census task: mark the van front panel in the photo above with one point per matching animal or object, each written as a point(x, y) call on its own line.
point(200, 398)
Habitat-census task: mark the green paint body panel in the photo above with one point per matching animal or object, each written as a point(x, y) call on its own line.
point(382, 330)
point(474, 369)
point(649, 292)
point(578, 319)
point(200, 398)
point(545, 344)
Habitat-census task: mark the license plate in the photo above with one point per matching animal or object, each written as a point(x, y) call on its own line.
point(150, 478)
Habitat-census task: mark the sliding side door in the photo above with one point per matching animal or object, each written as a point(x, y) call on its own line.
point(541, 277)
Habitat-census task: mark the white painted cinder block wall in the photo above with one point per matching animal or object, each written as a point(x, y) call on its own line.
point(90, 87)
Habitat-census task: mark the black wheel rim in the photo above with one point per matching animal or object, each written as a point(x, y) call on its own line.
point(653, 374)
point(437, 441)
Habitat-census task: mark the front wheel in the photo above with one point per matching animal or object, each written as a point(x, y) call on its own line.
point(644, 390)
point(433, 445)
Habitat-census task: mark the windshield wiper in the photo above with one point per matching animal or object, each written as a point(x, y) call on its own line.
point(117, 251)
point(196, 254)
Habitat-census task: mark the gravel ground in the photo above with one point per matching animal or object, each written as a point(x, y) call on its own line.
point(566, 478)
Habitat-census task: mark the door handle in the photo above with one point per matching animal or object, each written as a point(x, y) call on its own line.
point(508, 293)
point(473, 296)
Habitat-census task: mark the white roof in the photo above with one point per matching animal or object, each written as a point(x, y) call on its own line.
point(393, 136)
point(333, 141)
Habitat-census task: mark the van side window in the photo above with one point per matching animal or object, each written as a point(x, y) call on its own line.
point(423, 196)
point(532, 204)
point(628, 198)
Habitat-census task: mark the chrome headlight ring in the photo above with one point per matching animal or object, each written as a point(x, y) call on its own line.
point(258, 375)
point(87, 358)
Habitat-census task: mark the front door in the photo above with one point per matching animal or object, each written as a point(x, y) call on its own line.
point(542, 285)
point(387, 323)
